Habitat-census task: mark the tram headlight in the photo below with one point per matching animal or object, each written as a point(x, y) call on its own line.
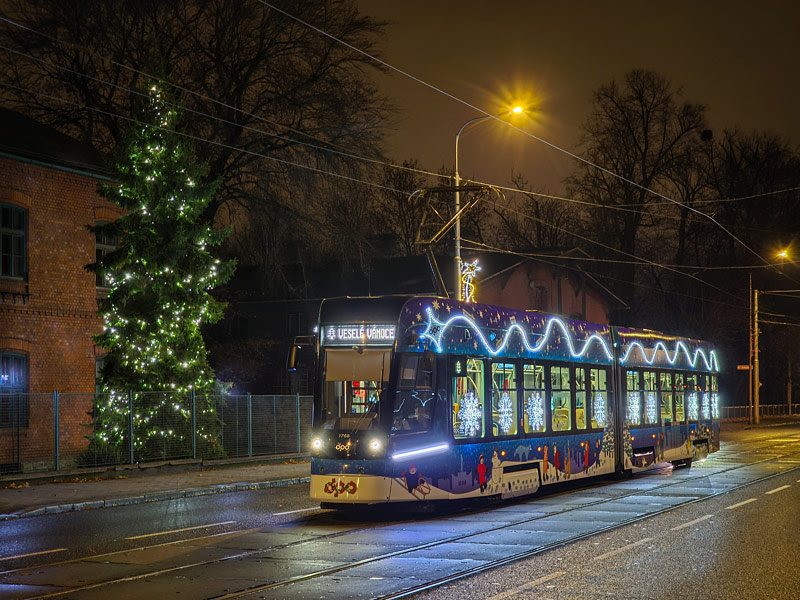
point(375, 446)
point(316, 444)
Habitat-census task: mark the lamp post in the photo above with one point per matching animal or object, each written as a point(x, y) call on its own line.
point(457, 178)
point(756, 379)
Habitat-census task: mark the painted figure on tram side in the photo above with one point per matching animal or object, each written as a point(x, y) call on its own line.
point(497, 472)
point(481, 473)
point(568, 463)
point(556, 462)
point(598, 450)
point(586, 457)
point(545, 463)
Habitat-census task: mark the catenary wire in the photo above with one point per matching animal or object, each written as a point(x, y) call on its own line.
point(522, 131)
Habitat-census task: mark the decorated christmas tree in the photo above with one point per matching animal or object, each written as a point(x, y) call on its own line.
point(159, 279)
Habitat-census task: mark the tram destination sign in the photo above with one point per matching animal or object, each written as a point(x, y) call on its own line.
point(358, 334)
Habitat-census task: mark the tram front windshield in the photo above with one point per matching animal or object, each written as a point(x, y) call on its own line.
point(354, 381)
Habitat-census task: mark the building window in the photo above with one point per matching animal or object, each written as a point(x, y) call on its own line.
point(104, 243)
point(12, 241)
point(13, 385)
point(99, 362)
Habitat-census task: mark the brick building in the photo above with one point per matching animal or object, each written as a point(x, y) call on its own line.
point(48, 301)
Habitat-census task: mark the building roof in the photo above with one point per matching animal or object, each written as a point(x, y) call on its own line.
point(495, 264)
point(23, 138)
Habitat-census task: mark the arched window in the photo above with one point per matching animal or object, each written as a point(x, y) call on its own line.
point(12, 241)
point(13, 388)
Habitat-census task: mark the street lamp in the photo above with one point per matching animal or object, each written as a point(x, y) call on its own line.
point(755, 375)
point(516, 110)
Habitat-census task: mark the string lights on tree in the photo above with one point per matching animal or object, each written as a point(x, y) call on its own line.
point(160, 277)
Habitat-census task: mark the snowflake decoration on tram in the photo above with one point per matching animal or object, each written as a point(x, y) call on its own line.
point(634, 410)
point(650, 408)
point(694, 409)
point(534, 407)
point(506, 409)
point(599, 409)
point(706, 406)
point(470, 414)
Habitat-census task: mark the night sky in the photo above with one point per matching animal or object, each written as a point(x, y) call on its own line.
point(737, 57)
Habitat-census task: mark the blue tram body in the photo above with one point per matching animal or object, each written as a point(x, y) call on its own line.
point(426, 398)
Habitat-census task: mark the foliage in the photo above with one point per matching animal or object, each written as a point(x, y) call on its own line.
point(160, 277)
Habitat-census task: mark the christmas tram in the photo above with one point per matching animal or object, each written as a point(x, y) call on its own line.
point(426, 398)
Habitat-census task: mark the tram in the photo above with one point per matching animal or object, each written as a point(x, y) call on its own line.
point(422, 398)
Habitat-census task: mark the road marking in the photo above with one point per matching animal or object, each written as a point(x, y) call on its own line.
point(623, 549)
point(783, 487)
point(732, 506)
point(690, 523)
point(32, 554)
point(137, 537)
point(290, 512)
point(528, 585)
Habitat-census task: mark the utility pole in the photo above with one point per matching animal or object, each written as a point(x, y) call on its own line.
point(789, 383)
point(750, 352)
point(756, 379)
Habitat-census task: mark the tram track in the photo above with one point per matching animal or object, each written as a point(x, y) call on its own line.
point(775, 456)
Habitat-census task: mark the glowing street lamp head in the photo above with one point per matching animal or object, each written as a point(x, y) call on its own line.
point(783, 254)
point(517, 110)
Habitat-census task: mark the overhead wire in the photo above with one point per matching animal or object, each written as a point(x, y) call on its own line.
point(349, 155)
point(530, 135)
point(328, 147)
point(208, 141)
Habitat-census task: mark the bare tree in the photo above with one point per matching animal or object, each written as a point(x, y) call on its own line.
point(636, 132)
point(261, 93)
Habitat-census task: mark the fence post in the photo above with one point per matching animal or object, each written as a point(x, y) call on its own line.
point(56, 430)
point(130, 426)
point(249, 425)
point(274, 426)
point(194, 425)
point(297, 405)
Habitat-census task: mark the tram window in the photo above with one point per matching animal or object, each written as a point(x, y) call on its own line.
point(650, 398)
point(504, 399)
point(680, 395)
point(599, 397)
point(580, 398)
point(634, 398)
point(534, 393)
point(354, 382)
point(560, 398)
point(467, 403)
point(714, 398)
point(665, 381)
point(692, 398)
point(413, 401)
point(705, 396)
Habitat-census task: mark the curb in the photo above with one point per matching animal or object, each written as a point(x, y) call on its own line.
point(224, 488)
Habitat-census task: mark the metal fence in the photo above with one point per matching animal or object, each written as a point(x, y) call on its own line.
point(742, 413)
point(52, 432)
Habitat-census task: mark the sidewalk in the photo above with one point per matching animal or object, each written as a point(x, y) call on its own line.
point(38, 494)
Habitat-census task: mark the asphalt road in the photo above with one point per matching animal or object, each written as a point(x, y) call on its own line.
point(727, 528)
